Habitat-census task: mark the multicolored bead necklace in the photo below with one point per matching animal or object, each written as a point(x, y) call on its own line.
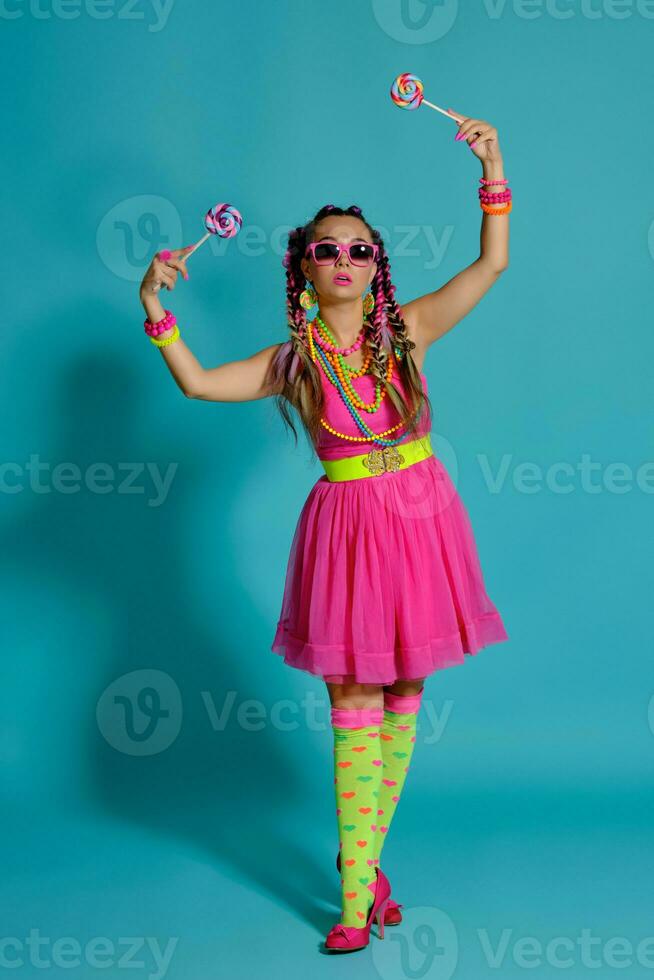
point(330, 341)
point(323, 349)
point(339, 365)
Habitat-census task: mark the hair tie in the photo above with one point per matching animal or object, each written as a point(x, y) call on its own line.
point(354, 208)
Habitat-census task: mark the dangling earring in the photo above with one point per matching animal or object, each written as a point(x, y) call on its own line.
point(308, 298)
point(368, 303)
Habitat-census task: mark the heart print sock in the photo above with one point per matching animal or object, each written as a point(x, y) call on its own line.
point(357, 779)
point(397, 738)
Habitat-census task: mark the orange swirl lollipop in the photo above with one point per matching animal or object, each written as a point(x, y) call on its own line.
point(407, 93)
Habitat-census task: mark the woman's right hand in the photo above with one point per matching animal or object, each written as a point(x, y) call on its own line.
point(162, 271)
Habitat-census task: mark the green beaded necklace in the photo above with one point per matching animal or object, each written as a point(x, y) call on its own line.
point(348, 370)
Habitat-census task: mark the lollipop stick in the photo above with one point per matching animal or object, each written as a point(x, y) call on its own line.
point(197, 245)
point(438, 109)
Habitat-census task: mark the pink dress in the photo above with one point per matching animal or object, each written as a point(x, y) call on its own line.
point(383, 580)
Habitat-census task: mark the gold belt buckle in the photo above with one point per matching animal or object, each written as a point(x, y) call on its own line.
point(386, 459)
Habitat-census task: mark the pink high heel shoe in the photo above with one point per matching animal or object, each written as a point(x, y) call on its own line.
point(392, 916)
point(346, 939)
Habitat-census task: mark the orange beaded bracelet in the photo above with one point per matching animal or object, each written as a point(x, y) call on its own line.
point(490, 210)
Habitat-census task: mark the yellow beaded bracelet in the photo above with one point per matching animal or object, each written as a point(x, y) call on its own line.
point(169, 340)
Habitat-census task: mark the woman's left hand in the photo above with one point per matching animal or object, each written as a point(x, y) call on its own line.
point(480, 136)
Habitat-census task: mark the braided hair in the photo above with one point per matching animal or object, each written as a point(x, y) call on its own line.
point(296, 378)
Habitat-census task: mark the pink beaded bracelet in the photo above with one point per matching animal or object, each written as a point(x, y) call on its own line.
point(500, 196)
point(166, 322)
point(503, 180)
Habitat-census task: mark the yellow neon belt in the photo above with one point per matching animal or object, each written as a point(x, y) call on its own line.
point(382, 459)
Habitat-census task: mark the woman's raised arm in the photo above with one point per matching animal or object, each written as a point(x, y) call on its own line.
point(235, 381)
point(430, 316)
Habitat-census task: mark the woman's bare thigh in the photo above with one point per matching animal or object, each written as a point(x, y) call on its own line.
point(351, 695)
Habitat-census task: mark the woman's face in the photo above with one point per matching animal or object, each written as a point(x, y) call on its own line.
point(344, 229)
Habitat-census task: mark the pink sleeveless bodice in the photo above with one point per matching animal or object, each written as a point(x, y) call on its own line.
point(337, 415)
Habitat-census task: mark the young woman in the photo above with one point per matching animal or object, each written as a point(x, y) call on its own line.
point(383, 582)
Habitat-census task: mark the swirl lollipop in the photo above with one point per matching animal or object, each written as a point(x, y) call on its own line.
point(223, 220)
point(406, 92)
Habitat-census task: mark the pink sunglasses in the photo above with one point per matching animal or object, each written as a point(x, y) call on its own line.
point(328, 252)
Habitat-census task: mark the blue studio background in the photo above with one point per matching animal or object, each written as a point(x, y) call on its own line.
point(165, 776)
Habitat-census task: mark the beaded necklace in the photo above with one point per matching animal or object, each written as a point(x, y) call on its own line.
point(341, 368)
point(330, 344)
point(324, 350)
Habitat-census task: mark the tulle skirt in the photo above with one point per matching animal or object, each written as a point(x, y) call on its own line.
point(383, 580)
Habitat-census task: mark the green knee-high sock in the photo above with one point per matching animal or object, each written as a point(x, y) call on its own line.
point(397, 737)
point(357, 779)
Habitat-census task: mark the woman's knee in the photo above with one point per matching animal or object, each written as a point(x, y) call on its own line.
point(351, 695)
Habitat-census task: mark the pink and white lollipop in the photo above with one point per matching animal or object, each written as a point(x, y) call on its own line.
point(407, 93)
point(223, 220)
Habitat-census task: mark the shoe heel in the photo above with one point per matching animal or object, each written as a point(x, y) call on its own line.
point(381, 912)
